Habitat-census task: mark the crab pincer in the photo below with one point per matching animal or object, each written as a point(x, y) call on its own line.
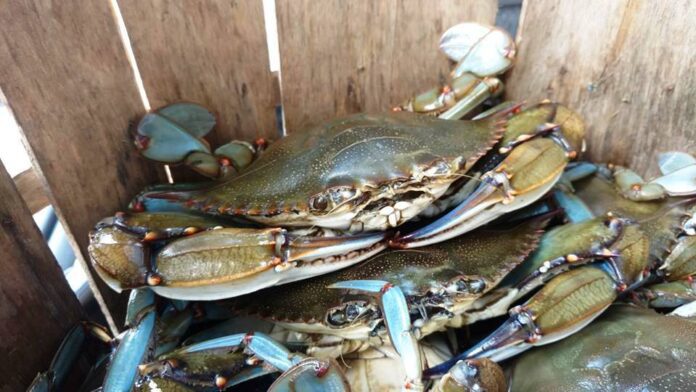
point(528, 161)
point(220, 262)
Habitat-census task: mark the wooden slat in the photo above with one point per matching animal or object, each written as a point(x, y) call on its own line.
point(212, 52)
point(72, 91)
point(32, 191)
point(626, 66)
point(37, 306)
point(339, 57)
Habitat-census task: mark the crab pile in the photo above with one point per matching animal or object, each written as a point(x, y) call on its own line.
point(412, 250)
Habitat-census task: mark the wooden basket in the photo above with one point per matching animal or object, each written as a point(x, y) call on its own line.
point(73, 87)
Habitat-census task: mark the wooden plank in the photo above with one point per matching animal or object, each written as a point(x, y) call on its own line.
point(37, 307)
point(32, 191)
point(72, 92)
point(626, 66)
point(340, 57)
point(212, 52)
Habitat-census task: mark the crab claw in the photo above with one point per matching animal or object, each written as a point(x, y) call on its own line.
point(526, 174)
point(564, 306)
point(225, 262)
point(398, 323)
point(134, 343)
point(681, 262)
point(632, 186)
point(678, 179)
point(479, 49)
point(299, 372)
point(669, 294)
point(163, 140)
point(262, 345)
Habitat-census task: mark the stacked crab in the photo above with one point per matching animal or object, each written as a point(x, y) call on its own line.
point(378, 238)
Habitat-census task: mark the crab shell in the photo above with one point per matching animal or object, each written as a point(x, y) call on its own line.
point(442, 280)
point(628, 348)
point(358, 165)
point(372, 172)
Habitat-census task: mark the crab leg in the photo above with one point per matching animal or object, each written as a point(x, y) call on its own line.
point(454, 102)
point(669, 294)
point(398, 323)
point(133, 345)
point(299, 372)
point(565, 247)
point(64, 360)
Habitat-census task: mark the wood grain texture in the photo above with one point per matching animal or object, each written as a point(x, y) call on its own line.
point(212, 52)
point(37, 307)
point(72, 92)
point(32, 191)
point(341, 57)
point(627, 66)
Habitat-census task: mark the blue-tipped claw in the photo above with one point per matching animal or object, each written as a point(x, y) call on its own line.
point(261, 344)
point(451, 224)
point(514, 336)
point(165, 141)
point(131, 352)
point(195, 119)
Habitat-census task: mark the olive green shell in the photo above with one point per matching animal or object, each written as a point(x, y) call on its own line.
point(483, 256)
point(660, 220)
point(356, 151)
point(626, 349)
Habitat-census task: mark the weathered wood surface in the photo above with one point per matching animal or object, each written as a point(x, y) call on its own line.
point(211, 52)
point(37, 306)
point(340, 57)
point(627, 66)
point(32, 191)
point(72, 91)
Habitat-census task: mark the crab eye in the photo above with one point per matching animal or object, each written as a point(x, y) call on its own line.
point(319, 203)
point(345, 314)
point(340, 195)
